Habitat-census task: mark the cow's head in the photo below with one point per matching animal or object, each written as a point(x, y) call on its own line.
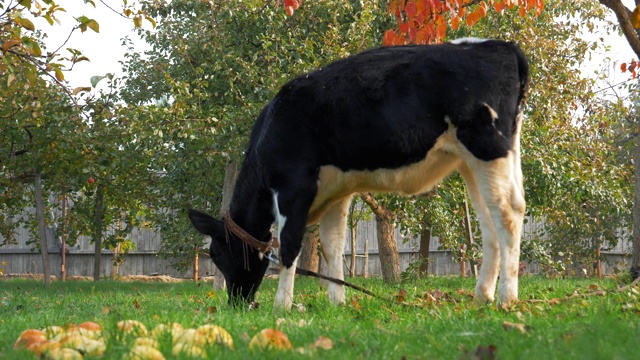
point(242, 266)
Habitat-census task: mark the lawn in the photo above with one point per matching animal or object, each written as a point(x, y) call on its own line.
point(556, 319)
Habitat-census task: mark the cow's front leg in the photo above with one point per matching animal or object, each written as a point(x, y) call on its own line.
point(290, 210)
point(332, 237)
point(284, 295)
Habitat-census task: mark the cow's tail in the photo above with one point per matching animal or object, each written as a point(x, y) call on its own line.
point(523, 72)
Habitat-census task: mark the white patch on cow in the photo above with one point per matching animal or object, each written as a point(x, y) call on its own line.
point(496, 192)
point(493, 113)
point(468, 40)
point(207, 242)
point(280, 219)
point(447, 120)
point(335, 184)
point(284, 294)
point(494, 117)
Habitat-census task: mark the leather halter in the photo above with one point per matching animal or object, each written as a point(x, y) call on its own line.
point(240, 233)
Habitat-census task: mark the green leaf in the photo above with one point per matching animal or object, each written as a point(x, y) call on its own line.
point(93, 25)
point(31, 74)
point(151, 20)
point(32, 46)
point(25, 23)
point(85, 23)
point(59, 74)
point(25, 3)
point(10, 79)
point(96, 79)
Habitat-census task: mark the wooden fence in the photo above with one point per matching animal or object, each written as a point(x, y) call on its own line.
point(144, 260)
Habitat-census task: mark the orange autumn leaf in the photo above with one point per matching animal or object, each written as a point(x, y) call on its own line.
point(635, 17)
point(441, 28)
point(482, 9)
point(455, 23)
point(354, 303)
point(410, 10)
point(472, 18)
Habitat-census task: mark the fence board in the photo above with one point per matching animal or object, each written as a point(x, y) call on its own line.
point(20, 258)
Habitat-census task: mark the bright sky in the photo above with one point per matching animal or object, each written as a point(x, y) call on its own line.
point(105, 49)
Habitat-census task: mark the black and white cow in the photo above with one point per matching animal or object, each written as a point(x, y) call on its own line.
point(388, 119)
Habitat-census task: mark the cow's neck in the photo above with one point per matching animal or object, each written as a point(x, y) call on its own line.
point(252, 206)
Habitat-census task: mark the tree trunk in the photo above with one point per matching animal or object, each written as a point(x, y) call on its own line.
point(365, 259)
point(387, 245)
point(63, 240)
point(352, 269)
point(196, 266)
point(97, 231)
point(623, 14)
point(309, 258)
point(42, 229)
point(115, 269)
point(425, 241)
point(635, 257)
point(230, 174)
point(467, 225)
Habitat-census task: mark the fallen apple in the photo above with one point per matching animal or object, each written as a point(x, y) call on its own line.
point(270, 339)
point(190, 351)
point(29, 337)
point(43, 347)
point(90, 325)
point(133, 328)
point(215, 334)
point(140, 352)
point(145, 341)
point(191, 337)
point(53, 331)
point(162, 330)
point(64, 354)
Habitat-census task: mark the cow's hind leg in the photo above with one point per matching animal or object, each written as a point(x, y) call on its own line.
point(486, 286)
point(499, 184)
point(332, 237)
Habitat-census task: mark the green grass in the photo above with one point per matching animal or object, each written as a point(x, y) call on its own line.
point(586, 326)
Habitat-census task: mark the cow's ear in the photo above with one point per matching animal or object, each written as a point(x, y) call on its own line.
point(205, 224)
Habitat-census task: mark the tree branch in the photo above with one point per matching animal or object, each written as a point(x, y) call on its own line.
point(624, 18)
